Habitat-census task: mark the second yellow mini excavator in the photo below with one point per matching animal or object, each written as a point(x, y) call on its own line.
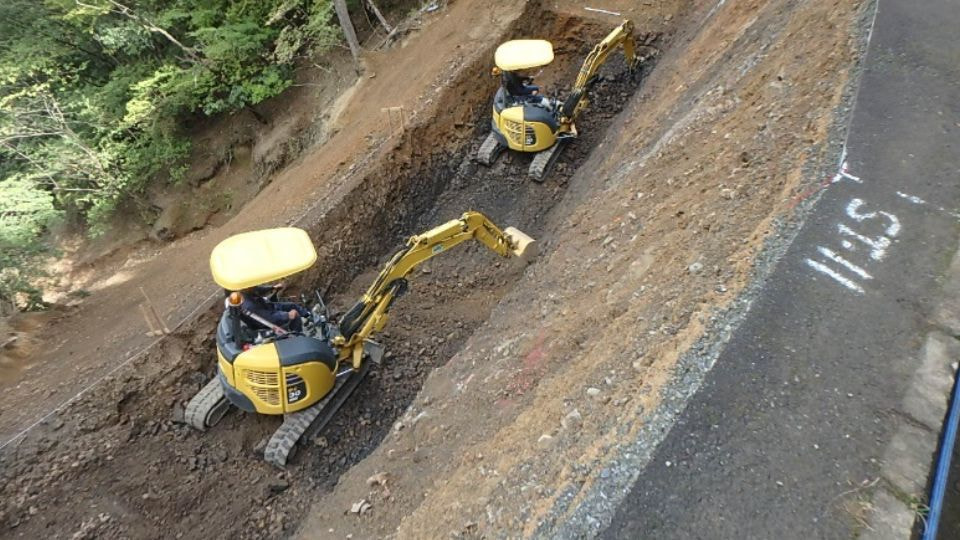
point(526, 121)
point(306, 375)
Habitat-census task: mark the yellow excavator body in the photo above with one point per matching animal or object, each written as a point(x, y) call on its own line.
point(269, 370)
point(524, 135)
point(537, 124)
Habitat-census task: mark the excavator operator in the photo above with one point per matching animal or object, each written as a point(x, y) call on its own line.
point(261, 301)
point(520, 87)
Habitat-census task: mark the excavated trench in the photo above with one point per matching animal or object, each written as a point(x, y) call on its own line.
point(122, 453)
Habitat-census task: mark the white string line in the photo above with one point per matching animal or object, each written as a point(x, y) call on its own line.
point(151, 345)
point(126, 362)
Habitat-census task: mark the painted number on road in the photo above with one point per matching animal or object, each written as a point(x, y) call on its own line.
point(865, 249)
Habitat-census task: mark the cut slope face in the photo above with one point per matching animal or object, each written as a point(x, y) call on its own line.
point(151, 477)
point(656, 235)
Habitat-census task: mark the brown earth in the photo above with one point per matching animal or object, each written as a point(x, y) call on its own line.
point(646, 227)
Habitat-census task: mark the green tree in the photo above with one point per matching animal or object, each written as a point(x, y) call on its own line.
point(94, 95)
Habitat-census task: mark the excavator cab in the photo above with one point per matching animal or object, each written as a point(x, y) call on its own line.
point(540, 125)
point(271, 371)
point(305, 376)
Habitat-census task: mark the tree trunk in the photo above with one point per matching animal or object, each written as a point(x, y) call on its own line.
point(348, 31)
point(373, 7)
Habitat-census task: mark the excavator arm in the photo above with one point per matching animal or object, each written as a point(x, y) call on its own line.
point(369, 314)
point(577, 100)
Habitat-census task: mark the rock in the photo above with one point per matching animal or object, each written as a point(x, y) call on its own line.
point(279, 486)
point(261, 446)
point(379, 479)
point(545, 441)
point(695, 268)
point(593, 392)
point(573, 420)
point(176, 415)
point(360, 507)
point(398, 425)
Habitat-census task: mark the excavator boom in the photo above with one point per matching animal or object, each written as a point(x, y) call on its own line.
point(369, 314)
point(621, 35)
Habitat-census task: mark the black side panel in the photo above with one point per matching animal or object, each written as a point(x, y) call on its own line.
point(539, 114)
point(234, 396)
point(501, 100)
point(296, 350)
point(225, 338)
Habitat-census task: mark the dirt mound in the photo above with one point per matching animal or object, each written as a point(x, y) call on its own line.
point(119, 450)
point(507, 391)
point(655, 237)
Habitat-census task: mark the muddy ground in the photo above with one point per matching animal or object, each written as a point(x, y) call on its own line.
point(150, 476)
point(507, 388)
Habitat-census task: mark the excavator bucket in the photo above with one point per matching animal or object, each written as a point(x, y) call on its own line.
point(524, 247)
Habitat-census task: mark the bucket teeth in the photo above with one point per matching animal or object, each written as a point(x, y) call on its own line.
point(524, 247)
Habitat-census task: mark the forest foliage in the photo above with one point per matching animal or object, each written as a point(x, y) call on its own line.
point(94, 95)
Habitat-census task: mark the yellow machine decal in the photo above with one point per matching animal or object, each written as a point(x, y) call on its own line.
point(317, 381)
point(521, 135)
point(257, 376)
point(276, 389)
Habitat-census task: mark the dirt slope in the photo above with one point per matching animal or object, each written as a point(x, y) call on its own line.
point(532, 375)
point(107, 328)
point(149, 476)
point(658, 229)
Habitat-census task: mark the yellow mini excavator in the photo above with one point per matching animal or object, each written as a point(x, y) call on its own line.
point(526, 121)
point(306, 375)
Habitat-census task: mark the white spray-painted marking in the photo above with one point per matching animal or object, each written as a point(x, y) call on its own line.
point(912, 198)
point(845, 173)
point(833, 274)
point(857, 210)
point(893, 229)
point(878, 247)
point(829, 253)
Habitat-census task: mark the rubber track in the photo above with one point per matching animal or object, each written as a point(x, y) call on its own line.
point(207, 407)
point(543, 162)
point(306, 423)
point(489, 150)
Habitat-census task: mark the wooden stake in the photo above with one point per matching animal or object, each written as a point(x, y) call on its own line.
point(401, 119)
point(149, 320)
point(156, 314)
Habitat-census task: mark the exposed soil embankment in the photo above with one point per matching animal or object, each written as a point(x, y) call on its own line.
point(657, 233)
point(117, 449)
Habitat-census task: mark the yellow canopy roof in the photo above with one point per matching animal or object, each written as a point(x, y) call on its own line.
point(258, 257)
point(523, 54)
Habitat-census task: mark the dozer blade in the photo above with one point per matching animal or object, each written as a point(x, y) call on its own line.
point(524, 247)
point(304, 424)
point(207, 407)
